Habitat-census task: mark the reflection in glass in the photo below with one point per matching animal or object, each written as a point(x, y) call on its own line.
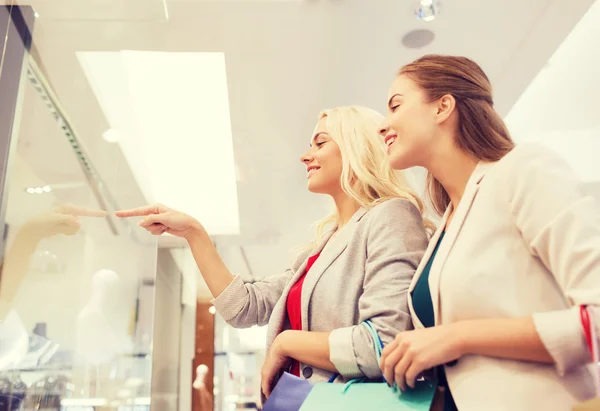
point(76, 287)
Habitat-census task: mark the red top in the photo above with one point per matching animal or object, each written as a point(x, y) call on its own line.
point(294, 307)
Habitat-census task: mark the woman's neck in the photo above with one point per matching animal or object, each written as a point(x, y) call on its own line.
point(452, 167)
point(346, 208)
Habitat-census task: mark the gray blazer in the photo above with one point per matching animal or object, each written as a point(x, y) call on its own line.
point(364, 274)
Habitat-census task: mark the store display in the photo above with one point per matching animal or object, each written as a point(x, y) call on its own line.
point(40, 351)
point(12, 392)
point(46, 394)
point(14, 340)
point(102, 329)
point(77, 329)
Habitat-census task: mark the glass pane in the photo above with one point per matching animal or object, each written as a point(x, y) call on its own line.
point(77, 284)
point(150, 104)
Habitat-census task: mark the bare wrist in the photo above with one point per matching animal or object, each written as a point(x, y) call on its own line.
point(197, 233)
point(280, 344)
point(462, 337)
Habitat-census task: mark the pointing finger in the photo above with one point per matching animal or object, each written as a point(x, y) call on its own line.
point(142, 211)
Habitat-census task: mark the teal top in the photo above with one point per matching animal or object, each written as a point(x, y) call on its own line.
point(423, 306)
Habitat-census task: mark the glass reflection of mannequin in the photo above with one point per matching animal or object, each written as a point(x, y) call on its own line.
point(101, 325)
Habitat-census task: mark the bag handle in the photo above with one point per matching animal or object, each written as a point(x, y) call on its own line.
point(376, 342)
point(375, 337)
point(589, 329)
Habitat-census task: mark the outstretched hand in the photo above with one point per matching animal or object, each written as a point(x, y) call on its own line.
point(159, 219)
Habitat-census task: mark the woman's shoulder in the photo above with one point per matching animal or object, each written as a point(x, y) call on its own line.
point(394, 208)
point(395, 225)
point(395, 218)
point(532, 167)
point(528, 157)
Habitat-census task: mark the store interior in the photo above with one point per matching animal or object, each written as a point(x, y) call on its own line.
point(206, 106)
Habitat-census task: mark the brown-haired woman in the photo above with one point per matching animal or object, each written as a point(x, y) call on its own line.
point(495, 301)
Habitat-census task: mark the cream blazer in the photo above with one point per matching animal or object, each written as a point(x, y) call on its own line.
point(524, 241)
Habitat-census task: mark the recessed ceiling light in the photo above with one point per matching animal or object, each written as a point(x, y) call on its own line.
point(418, 38)
point(427, 10)
point(38, 190)
point(111, 135)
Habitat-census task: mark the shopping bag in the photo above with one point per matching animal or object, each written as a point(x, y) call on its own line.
point(589, 329)
point(289, 393)
point(369, 396)
point(359, 395)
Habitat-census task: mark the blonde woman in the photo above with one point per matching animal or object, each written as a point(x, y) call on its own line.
point(358, 268)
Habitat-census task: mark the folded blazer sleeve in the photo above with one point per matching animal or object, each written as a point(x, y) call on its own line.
point(396, 241)
point(244, 305)
point(560, 225)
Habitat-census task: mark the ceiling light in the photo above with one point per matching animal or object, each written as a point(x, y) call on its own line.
point(171, 112)
point(111, 135)
point(38, 190)
point(427, 10)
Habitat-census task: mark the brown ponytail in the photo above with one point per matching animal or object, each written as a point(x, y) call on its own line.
point(482, 132)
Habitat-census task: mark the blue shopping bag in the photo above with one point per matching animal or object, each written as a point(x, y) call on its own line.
point(358, 395)
point(288, 394)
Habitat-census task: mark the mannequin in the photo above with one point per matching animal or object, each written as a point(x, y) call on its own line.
point(101, 324)
point(205, 397)
point(201, 372)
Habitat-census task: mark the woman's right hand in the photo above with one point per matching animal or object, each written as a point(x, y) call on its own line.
point(159, 219)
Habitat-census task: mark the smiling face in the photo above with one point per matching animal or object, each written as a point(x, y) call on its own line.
point(323, 162)
point(411, 126)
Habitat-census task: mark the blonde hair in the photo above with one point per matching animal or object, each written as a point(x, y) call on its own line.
point(367, 176)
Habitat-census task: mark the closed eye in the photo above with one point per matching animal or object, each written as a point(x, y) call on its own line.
point(393, 108)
